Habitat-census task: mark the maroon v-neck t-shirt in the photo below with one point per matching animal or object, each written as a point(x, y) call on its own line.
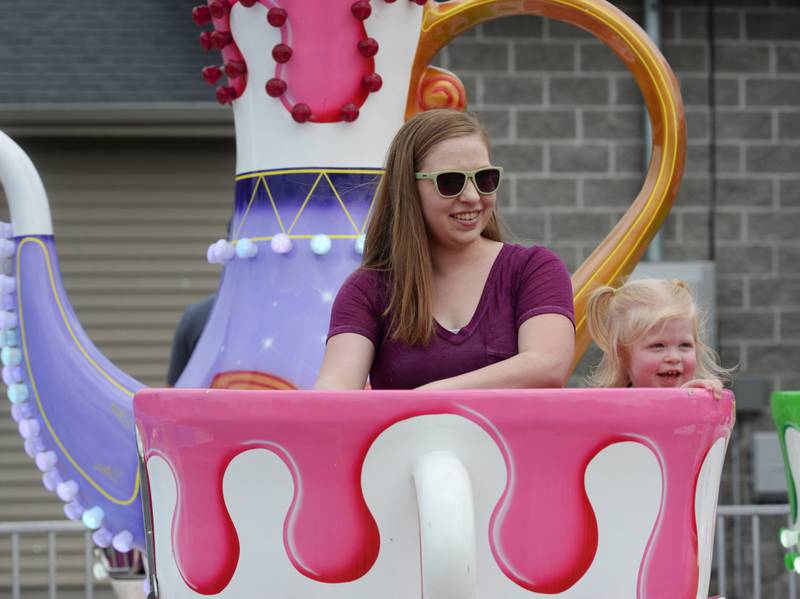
point(523, 282)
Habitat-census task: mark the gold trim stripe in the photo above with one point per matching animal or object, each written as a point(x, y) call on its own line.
point(295, 171)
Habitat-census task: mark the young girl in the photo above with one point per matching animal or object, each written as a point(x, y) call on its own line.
point(649, 332)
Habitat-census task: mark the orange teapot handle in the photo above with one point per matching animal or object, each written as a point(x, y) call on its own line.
point(620, 251)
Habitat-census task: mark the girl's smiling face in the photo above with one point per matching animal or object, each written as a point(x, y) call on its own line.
point(665, 357)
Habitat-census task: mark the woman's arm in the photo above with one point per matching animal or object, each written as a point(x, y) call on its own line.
point(546, 348)
point(346, 363)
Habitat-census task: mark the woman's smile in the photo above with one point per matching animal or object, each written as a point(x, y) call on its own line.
point(467, 218)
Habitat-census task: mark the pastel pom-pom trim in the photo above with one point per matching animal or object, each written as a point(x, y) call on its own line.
point(17, 393)
point(93, 517)
point(12, 374)
point(73, 510)
point(102, 537)
point(123, 541)
point(358, 245)
point(20, 411)
point(46, 460)
point(225, 250)
point(7, 248)
point(245, 248)
point(7, 284)
point(321, 244)
point(29, 428)
point(33, 447)
point(51, 480)
point(8, 320)
point(281, 243)
point(10, 356)
point(220, 252)
point(67, 491)
point(9, 337)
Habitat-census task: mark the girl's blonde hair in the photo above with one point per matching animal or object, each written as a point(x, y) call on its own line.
point(617, 318)
point(397, 238)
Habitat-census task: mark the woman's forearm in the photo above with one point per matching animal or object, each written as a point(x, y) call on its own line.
point(530, 370)
point(539, 364)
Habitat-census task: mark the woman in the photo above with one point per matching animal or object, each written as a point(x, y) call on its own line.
point(440, 302)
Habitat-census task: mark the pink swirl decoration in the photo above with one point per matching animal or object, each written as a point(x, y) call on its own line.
point(440, 89)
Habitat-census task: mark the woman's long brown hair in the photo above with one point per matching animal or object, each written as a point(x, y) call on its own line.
point(397, 239)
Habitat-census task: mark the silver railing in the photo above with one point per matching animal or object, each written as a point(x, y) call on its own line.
point(52, 530)
point(734, 583)
point(740, 583)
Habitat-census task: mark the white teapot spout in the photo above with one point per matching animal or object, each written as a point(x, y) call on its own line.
point(27, 199)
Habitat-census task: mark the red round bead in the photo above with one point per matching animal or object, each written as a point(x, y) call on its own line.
point(301, 112)
point(212, 74)
point(235, 68)
point(349, 112)
point(247, 3)
point(201, 15)
point(205, 40)
point(361, 10)
point(420, 2)
point(277, 16)
point(368, 47)
point(372, 82)
point(276, 87)
point(220, 39)
point(226, 95)
point(281, 53)
point(219, 8)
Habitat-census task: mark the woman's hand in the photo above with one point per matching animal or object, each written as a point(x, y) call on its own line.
point(713, 386)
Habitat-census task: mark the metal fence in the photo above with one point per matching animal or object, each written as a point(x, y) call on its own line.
point(734, 575)
point(52, 530)
point(763, 574)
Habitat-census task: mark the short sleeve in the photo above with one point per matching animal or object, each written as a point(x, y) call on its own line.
point(357, 307)
point(545, 287)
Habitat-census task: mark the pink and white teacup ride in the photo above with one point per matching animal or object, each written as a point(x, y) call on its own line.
point(505, 494)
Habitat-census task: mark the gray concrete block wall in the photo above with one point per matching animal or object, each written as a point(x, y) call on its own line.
point(566, 121)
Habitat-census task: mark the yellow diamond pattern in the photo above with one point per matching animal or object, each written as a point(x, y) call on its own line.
point(322, 174)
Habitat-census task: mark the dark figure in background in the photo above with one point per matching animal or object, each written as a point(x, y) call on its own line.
point(187, 333)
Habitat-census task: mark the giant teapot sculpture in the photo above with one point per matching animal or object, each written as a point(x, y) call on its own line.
point(318, 88)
